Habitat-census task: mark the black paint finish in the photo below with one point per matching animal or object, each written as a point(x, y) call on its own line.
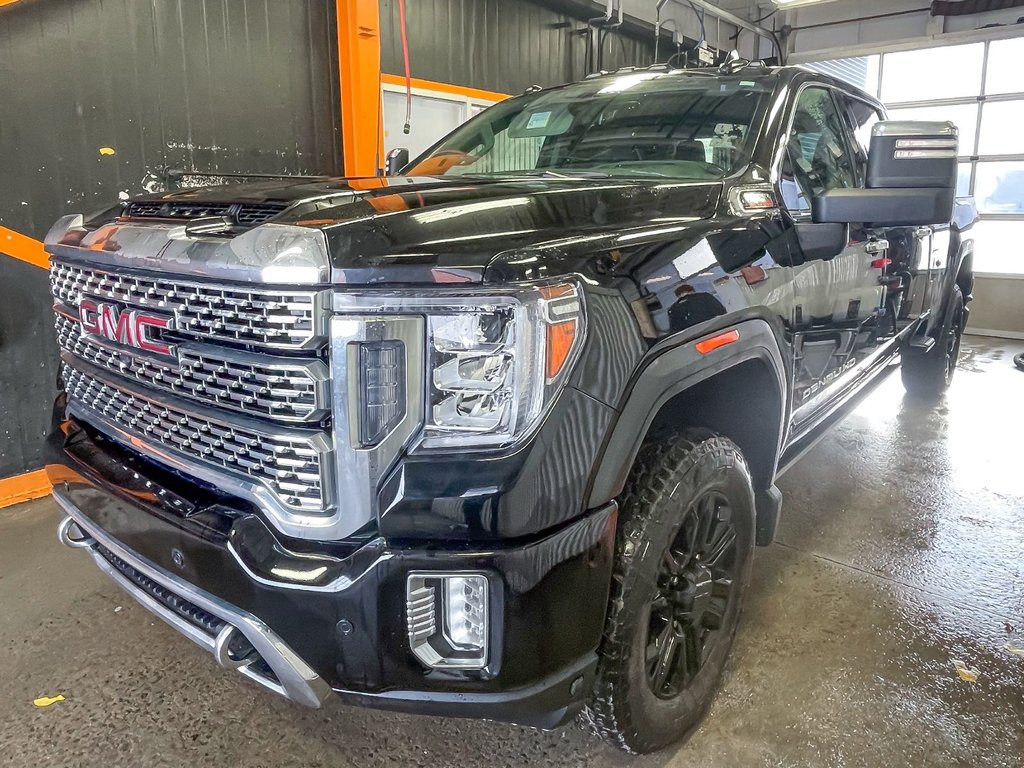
point(663, 262)
point(663, 265)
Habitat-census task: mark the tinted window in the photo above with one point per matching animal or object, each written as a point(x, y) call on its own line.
point(818, 157)
point(862, 117)
point(641, 124)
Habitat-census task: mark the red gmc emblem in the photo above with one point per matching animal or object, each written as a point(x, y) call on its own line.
point(130, 327)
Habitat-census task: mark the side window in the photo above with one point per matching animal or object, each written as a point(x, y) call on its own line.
point(862, 117)
point(818, 157)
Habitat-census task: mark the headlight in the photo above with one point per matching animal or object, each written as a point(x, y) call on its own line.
point(494, 362)
point(489, 364)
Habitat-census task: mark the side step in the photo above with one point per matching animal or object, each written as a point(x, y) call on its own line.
point(921, 345)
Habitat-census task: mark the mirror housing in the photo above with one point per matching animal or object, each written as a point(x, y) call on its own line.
point(912, 174)
point(820, 242)
point(395, 161)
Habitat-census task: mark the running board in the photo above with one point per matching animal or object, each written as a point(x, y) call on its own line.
point(799, 447)
point(921, 345)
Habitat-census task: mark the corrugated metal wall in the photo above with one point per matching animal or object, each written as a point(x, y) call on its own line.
point(500, 45)
point(203, 85)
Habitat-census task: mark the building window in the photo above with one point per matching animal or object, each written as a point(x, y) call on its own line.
point(977, 86)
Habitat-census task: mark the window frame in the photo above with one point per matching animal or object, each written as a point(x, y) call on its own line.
point(804, 215)
point(861, 152)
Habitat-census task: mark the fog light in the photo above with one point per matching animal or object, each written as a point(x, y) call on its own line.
point(448, 619)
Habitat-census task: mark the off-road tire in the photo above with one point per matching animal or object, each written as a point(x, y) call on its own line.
point(927, 376)
point(665, 481)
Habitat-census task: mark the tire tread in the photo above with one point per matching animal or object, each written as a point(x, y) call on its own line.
point(655, 475)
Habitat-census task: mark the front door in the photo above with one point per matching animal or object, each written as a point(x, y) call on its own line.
point(840, 308)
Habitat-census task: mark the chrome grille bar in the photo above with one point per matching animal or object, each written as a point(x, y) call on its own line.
point(288, 470)
point(281, 388)
point(225, 314)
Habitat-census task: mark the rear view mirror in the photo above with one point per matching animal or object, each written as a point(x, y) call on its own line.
point(912, 172)
point(395, 161)
point(912, 154)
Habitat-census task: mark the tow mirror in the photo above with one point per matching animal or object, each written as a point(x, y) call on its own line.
point(801, 241)
point(912, 174)
point(395, 161)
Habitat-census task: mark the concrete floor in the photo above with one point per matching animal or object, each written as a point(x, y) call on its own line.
point(901, 549)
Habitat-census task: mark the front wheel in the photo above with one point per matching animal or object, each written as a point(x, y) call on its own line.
point(683, 555)
point(928, 375)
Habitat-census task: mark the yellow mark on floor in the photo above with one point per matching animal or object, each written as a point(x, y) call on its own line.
point(47, 701)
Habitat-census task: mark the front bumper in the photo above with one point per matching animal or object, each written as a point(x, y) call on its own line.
point(221, 578)
point(271, 663)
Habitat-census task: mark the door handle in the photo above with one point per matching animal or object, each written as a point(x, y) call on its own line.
point(922, 232)
point(876, 246)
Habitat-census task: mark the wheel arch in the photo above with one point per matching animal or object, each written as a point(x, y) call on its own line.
point(739, 391)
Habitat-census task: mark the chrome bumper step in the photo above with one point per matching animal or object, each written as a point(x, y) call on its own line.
point(236, 639)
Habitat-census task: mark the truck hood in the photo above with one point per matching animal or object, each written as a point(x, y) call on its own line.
point(422, 229)
point(441, 230)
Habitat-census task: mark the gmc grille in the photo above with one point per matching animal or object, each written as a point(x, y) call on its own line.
point(276, 387)
point(241, 401)
point(283, 320)
point(292, 464)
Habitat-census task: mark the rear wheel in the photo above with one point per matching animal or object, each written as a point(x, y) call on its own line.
point(928, 375)
point(686, 534)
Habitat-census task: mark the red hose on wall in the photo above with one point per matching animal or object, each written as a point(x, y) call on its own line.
point(408, 76)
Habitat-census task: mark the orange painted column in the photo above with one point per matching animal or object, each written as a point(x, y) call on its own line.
point(362, 126)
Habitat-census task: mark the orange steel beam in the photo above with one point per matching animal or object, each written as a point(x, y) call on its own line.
point(362, 129)
point(23, 247)
point(31, 485)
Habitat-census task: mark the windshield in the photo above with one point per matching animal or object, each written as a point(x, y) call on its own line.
point(697, 127)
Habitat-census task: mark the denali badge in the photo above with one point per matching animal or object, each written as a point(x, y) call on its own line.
point(129, 327)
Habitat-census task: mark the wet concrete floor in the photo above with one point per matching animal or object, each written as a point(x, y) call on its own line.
point(901, 549)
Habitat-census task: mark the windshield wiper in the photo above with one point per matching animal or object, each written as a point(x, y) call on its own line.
point(549, 174)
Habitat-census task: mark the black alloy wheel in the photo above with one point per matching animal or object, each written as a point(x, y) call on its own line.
point(695, 586)
point(682, 563)
point(954, 335)
point(927, 375)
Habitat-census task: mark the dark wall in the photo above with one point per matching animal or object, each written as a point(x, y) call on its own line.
point(499, 45)
point(245, 86)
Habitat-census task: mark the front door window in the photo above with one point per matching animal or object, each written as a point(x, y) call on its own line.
point(817, 156)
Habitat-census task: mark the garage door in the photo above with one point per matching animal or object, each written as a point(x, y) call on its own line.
point(979, 87)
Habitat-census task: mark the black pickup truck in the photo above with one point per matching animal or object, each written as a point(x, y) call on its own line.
point(495, 436)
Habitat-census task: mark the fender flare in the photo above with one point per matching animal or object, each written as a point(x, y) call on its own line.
point(658, 380)
point(964, 251)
